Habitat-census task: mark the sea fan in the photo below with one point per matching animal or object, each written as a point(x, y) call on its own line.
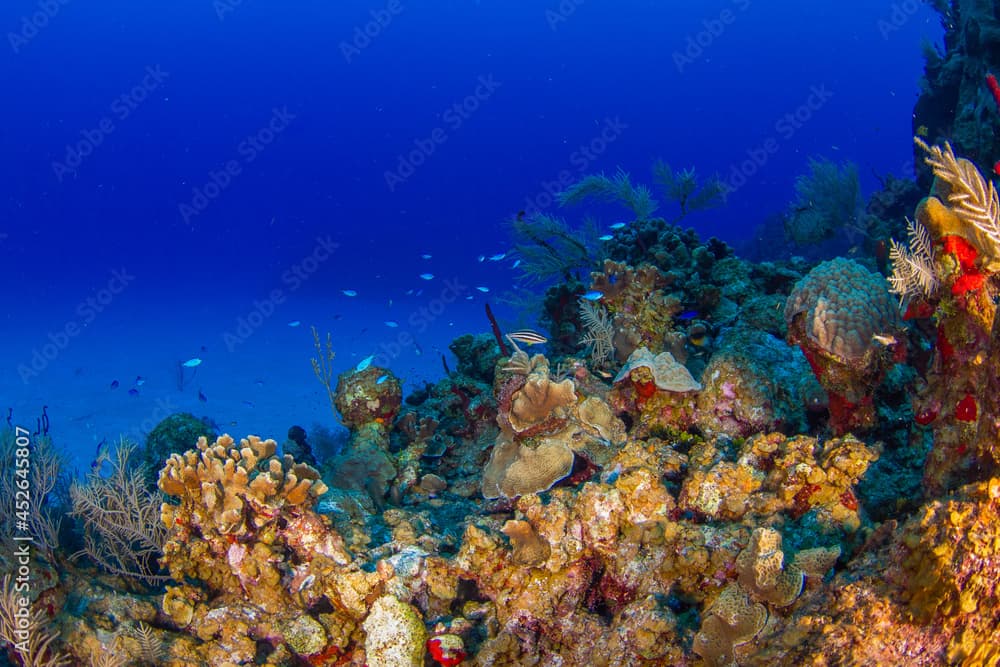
point(550, 250)
point(913, 271)
point(617, 189)
point(599, 331)
point(690, 192)
point(972, 197)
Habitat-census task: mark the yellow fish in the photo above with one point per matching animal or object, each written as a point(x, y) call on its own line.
point(922, 131)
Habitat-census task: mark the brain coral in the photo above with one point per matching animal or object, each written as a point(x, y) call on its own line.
point(844, 305)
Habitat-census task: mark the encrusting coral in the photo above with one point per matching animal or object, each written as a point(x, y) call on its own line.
point(544, 428)
point(961, 400)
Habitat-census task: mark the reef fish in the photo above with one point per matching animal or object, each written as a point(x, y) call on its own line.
point(593, 295)
point(528, 337)
point(427, 276)
point(364, 363)
point(349, 292)
point(191, 363)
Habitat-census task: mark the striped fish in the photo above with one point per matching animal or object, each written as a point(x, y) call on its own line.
point(528, 337)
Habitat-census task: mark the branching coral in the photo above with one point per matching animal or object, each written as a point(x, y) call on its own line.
point(121, 516)
point(242, 513)
point(25, 631)
point(43, 516)
point(913, 272)
point(599, 331)
point(973, 199)
point(322, 364)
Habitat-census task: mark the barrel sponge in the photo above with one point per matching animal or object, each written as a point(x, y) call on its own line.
point(843, 305)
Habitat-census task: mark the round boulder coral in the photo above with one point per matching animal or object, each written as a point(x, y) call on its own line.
point(373, 395)
point(847, 324)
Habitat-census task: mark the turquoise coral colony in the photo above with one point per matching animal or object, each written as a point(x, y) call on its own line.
point(695, 459)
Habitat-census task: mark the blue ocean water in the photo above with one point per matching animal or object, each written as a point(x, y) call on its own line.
point(192, 179)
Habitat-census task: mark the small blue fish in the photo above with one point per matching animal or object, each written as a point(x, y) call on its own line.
point(114, 384)
point(139, 380)
point(516, 264)
point(133, 392)
point(483, 289)
point(593, 295)
point(481, 258)
point(294, 323)
point(349, 292)
point(364, 363)
point(426, 255)
point(618, 225)
point(687, 315)
point(497, 257)
point(192, 363)
point(202, 397)
point(427, 276)
point(605, 237)
point(392, 324)
point(381, 379)
point(468, 298)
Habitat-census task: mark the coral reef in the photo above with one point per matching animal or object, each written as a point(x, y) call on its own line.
point(657, 391)
point(959, 247)
point(544, 430)
point(173, 435)
point(755, 383)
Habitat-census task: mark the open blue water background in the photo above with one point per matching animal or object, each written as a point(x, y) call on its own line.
point(223, 169)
